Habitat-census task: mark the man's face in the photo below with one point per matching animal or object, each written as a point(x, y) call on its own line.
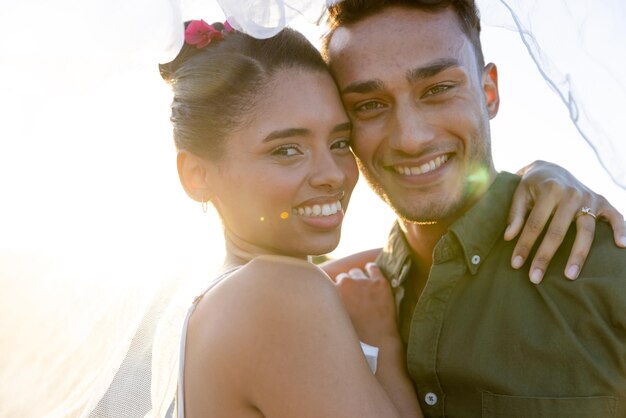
point(420, 108)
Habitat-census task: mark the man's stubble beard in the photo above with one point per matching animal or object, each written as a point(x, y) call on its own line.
point(476, 180)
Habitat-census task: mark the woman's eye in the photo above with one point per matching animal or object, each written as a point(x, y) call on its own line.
point(286, 151)
point(341, 144)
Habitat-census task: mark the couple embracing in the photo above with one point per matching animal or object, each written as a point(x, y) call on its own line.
point(451, 320)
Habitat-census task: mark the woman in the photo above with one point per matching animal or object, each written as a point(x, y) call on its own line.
point(261, 134)
point(278, 168)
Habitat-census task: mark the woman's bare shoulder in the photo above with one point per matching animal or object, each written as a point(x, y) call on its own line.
point(257, 282)
point(264, 289)
point(283, 271)
point(237, 326)
point(269, 335)
point(263, 305)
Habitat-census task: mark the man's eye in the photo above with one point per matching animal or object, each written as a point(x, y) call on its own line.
point(438, 89)
point(286, 151)
point(369, 106)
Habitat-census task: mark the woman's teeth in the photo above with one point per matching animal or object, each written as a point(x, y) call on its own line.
point(326, 209)
point(422, 169)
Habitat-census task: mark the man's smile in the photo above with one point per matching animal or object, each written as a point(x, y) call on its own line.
point(431, 165)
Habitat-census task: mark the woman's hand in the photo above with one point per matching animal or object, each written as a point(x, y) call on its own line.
point(548, 190)
point(335, 266)
point(369, 302)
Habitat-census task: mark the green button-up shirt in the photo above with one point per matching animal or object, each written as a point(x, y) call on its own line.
point(483, 341)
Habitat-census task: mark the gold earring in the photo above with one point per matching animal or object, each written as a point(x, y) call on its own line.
point(205, 206)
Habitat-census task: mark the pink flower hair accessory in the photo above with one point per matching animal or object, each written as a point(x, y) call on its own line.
point(200, 34)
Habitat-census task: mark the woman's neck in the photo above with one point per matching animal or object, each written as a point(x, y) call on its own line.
point(239, 252)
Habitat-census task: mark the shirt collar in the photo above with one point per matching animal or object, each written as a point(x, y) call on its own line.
point(484, 223)
point(395, 258)
point(476, 232)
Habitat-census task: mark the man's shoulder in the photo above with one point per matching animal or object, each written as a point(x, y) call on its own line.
point(604, 255)
point(395, 256)
point(605, 259)
point(602, 279)
point(602, 276)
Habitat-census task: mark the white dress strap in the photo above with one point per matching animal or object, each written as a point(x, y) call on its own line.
point(180, 394)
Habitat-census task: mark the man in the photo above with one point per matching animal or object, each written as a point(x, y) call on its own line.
point(481, 339)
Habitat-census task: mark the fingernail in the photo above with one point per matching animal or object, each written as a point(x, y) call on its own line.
point(536, 276)
point(355, 272)
point(506, 231)
point(518, 262)
point(622, 240)
point(572, 272)
point(370, 265)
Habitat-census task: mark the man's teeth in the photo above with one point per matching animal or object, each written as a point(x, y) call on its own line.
point(326, 209)
point(422, 169)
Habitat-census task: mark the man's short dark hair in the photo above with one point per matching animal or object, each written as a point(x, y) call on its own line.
point(348, 12)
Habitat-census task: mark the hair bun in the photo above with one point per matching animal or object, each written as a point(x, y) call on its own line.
point(168, 70)
point(219, 26)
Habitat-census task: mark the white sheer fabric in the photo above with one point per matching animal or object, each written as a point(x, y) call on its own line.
point(95, 273)
point(578, 48)
point(265, 18)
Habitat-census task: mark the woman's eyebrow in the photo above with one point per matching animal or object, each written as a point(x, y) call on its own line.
point(286, 133)
point(293, 132)
point(346, 126)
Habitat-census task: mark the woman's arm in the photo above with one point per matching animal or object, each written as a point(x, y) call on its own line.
point(285, 345)
point(369, 302)
point(554, 199)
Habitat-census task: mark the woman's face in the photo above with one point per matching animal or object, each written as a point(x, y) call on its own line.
point(286, 176)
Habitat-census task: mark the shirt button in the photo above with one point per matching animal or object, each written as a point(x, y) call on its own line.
point(395, 283)
point(475, 259)
point(430, 399)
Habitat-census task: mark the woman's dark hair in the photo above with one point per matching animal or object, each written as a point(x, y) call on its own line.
point(347, 12)
point(216, 87)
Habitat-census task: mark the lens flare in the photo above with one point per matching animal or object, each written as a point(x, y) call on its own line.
point(478, 179)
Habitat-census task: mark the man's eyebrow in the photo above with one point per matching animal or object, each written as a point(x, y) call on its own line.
point(414, 75)
point(342, 127)
point(286, 133)
point(430, 70)
point(363, 87)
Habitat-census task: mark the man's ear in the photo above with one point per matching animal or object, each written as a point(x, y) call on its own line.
point(490, 89)
point(193, 172)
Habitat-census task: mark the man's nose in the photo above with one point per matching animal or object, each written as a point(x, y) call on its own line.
point(411, 130)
